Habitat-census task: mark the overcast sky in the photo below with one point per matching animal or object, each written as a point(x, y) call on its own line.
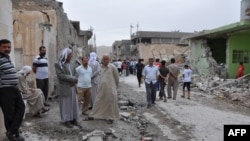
point(111, 19)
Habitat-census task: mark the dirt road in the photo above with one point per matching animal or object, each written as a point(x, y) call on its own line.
point(199, 119)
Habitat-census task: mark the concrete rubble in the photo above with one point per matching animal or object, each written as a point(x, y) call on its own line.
point(231, 89)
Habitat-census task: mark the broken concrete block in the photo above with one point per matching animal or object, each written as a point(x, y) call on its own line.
point(124, 107)
point(95, 138)
point(125, 115)
point(147, 139)
point(123, 103)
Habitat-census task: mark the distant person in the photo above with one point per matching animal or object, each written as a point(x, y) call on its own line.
point(119, 66)
point(139, 67)
point(35, 98)
point(151, 74)
point(163, 79)
point(66, 89)
point(241, 70)
point(174, 71)
point(84, 74)
point(106, 102)
point(11, 100)
point(96, 70)
point(124, 68)
point(40, 68)
point(187, 74)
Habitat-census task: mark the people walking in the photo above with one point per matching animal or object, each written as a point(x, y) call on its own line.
point(40, 68)
point(84, 74)
point(163, 79)
point(150, 73)
point(187, 74)
point(139, 67)
point(66, 89)
point(174, 71)
point(11, 100)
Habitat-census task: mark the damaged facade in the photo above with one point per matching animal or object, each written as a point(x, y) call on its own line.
point(44, 22)
point(219, 51)
point(29, 24)
point(121, 50)
point(162, 45)
point(146, 44)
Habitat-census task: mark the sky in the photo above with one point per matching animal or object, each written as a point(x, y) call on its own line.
point(111, 19)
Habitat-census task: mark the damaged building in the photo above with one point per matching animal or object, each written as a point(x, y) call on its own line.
point(162, 45)
point(43, 23)
point(29, 24)
point(121, 50)
point(219, 51)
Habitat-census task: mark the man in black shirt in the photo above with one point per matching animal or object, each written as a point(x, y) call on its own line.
point(163, 79)
point(139, 67)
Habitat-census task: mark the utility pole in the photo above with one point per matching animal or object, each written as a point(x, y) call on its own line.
point(131, 30)
point(137, 27)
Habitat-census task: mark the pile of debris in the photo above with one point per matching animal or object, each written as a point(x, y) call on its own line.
point(237, 90)
point(129, 115)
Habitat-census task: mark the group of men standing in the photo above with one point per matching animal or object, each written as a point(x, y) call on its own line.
point(157, 75)
point(87, 82)
point(92, 84)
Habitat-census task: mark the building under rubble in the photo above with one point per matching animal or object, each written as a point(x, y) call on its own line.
point(219, 51)
point(151, 44)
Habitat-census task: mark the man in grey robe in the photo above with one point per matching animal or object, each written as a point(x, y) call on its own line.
point(96, 69)
point(105, 105)
point(66, 89)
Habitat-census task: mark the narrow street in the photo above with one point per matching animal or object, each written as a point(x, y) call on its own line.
point(199, 119)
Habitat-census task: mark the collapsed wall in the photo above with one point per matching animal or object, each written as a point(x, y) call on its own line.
point(202, 61)
point(164, 52)
point(43, 22)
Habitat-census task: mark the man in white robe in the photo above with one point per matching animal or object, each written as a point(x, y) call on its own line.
point(105, 105)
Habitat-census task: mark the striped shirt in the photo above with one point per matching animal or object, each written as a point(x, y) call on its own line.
point(41, 64)
point(8, 75)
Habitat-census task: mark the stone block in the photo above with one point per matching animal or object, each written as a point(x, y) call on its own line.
point(95, 138)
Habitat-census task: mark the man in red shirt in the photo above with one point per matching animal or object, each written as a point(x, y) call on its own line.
point(240, 70)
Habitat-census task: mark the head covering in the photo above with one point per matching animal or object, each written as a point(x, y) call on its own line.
point(92, 58)
point(25, 70)
point(64, 54)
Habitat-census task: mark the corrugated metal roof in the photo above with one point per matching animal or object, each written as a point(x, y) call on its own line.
point(234, 27)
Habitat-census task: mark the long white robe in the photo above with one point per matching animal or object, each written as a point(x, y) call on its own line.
point(96, 69)
point(35, 99)
point(106, 102)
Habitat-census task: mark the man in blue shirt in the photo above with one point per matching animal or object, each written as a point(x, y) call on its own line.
point(84, 73)
point(150, 74)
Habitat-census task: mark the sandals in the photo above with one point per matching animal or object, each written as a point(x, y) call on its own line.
point(44, 110)
point(88, 118)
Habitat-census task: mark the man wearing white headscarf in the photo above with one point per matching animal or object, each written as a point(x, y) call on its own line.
point(106, 102)
point(34, 97)
point(66, 89)
point(96, 69)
